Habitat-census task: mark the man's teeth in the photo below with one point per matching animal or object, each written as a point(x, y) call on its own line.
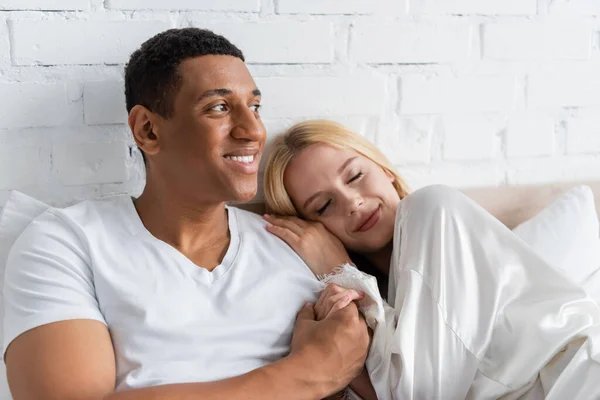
point(242, 159)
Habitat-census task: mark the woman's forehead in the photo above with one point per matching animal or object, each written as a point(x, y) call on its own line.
point(314, 169)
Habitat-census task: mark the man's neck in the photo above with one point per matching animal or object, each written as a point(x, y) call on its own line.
point(184, 222)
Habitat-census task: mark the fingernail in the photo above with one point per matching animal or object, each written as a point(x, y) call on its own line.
point(266, 216)
point(308, 304)
point(269, 226)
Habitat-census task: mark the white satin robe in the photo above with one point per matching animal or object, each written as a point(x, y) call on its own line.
point(473, 313)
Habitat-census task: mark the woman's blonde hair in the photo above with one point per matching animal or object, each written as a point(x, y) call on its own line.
point(305, 134)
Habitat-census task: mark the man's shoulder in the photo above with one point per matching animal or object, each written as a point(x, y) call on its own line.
point(252, 224)
point(252, 230)
point(78, 218)
point(90, 208)
point(90, 211)
point(248, 220)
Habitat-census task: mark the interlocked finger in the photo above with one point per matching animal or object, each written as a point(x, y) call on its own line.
point(335, 298)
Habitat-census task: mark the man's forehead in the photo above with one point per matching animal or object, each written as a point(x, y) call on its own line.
point(215, 70)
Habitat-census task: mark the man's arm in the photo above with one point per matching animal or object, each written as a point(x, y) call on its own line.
point(73, 360)
point(58, 345)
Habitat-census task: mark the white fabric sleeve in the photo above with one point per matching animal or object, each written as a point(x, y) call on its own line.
point(395, 344)
point(48, 278)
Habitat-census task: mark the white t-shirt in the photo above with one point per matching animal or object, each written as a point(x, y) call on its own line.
point(170, 321)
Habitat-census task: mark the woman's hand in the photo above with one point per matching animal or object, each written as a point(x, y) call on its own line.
point(318, 247)
point(334, 298)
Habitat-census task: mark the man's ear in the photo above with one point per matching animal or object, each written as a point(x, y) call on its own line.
point(143, 125)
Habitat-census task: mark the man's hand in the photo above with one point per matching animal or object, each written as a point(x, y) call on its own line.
point(333, 299)
point(334, 349)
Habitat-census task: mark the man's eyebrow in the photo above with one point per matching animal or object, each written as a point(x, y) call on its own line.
point(223, 92)
point(214, 92)
point(340, 170)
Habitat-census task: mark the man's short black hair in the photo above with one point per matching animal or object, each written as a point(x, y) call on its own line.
point(151, 76)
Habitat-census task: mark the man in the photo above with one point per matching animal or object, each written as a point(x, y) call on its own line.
point(174, 295)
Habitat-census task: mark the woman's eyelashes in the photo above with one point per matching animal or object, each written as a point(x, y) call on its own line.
point(321, 210)
point(355, 177)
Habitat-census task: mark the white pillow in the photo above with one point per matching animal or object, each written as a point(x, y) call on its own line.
point(18, 213)
point(566, 234)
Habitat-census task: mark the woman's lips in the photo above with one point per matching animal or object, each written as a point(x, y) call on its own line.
point(371, 221)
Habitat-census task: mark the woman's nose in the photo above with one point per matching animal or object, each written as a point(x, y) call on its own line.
point(355, 204)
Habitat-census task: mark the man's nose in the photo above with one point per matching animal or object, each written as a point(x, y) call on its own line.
point(248, 126)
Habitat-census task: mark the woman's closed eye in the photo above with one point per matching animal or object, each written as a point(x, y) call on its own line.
point(355, 177)
point(321, 210)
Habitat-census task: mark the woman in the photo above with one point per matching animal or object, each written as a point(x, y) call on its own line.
point(473, 312)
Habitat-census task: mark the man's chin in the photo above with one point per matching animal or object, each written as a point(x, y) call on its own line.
point(243, 195)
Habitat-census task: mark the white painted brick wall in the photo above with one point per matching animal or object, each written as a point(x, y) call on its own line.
point(331, 6)
point(22, 166)
point(204, 5)
point(471, 138)
point(85, 163)
point(279, 42)
point(442, 95)
point(530, 136)
point(104, 103)
point(554, 169)
point(46, 5)
point(575, 7)
point(314, 96)
point(462, 92)
point(25, 105)
point(576, 86)
point(459, 175)
point(4, 43)
point(484, 7)
point(79, 42)
point(526, 40)
point(410, 43)
point(584, 134)
point(410, 142)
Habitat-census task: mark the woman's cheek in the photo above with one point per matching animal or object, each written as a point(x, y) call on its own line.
point(336, 228)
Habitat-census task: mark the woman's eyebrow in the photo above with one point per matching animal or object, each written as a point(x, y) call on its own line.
point(345, 164)
point(310, 200)
point(340, 170)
